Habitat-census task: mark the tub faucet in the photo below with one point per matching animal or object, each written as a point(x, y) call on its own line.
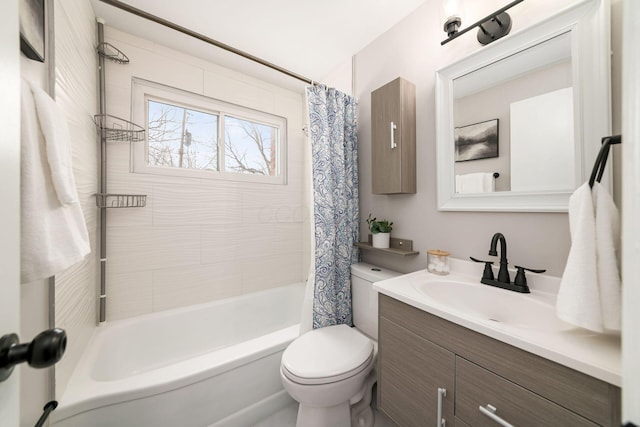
point(503, 273)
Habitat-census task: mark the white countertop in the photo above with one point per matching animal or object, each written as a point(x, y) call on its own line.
point(594, 354)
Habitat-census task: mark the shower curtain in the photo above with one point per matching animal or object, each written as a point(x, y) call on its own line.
point(332, 126)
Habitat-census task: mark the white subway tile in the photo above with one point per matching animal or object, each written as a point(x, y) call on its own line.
point(266, 272)
point(128, 294)
point(132, 249)
point(199, 239)
point(238, 92)
point(197, 203)
point(222, 243)
point(182, 286)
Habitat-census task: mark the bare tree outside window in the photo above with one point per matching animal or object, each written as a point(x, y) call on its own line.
point(181, 137)
point(250, 147)
point(184, 138)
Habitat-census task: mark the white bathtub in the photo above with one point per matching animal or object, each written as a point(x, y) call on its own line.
point(211, 364)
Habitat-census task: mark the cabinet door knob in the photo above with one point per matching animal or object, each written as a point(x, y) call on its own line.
point(442, 393)
point(490, 411)
point(392, 128)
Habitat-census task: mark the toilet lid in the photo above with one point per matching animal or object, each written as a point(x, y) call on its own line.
point(327, 352)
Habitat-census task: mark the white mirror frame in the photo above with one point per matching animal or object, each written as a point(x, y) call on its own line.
point(588, 22)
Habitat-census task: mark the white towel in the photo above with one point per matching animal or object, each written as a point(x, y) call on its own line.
point(607, 251)
point(56, 134)
point(53, 236)
point(578, 301)
point(589, 294)
point(480, 182)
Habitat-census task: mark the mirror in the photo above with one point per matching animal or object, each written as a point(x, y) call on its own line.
point(519, 122)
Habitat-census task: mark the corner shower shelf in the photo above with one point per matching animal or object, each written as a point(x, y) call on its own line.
point(121, 200)
point(116, 129)
point(112, 53)
point(403, 247)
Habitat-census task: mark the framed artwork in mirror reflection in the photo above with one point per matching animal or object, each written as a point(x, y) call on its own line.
point(476, 141)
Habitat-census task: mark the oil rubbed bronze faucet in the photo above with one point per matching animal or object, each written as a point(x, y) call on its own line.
point(503, 273)
point(504, 281)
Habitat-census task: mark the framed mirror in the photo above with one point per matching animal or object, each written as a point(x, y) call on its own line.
point(519, 122)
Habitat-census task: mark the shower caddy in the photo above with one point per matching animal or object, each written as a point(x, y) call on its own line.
point(111, 128)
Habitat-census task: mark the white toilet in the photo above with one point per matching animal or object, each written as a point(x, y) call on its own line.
point(330, 371)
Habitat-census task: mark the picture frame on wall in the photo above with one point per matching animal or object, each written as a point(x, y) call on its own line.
point(476, 141)
point(32, 29)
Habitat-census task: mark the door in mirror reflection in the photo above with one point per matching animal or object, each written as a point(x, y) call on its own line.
point(530, 95)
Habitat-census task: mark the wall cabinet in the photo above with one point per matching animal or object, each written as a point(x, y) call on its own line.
point(484, 378)
point(393, 138)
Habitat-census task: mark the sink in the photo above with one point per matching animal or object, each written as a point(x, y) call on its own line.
point(525, 321)
point(489, 304)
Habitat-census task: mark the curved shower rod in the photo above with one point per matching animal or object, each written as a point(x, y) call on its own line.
point(141, 13)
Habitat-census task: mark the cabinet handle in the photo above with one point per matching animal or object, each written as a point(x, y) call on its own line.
point(490, 411)
point(393, 127)
point(442, 392)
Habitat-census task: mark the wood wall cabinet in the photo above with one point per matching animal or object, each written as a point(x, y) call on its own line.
point(420, 353)
point(393, 138)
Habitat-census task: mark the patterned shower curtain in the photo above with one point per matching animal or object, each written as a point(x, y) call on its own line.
point(332, 118)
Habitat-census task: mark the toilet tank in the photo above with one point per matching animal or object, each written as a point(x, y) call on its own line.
point(364, 298)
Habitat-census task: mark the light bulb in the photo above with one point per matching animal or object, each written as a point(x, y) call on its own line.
point(451, 11)
point(450, 8)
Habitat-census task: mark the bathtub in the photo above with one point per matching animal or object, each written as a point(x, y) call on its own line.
point(214, 364)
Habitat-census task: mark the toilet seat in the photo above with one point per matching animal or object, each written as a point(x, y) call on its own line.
point(327, 380)
point(327, 355)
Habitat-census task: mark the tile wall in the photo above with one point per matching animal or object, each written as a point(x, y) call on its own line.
point(199, 240)
point(76, 93)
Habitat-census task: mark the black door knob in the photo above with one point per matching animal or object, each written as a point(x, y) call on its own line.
point(46, 349)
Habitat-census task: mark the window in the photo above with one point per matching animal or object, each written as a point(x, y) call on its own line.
point(179, 137)
point(250, 147)
point(192, 135)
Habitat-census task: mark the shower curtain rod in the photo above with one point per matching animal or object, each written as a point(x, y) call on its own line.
point(141, 13)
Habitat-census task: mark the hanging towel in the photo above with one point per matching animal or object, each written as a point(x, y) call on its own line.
point(56, 134)
point(607, 251)
point(53, 235)
point(590, 290)
point(578, 301)
point(480, 182)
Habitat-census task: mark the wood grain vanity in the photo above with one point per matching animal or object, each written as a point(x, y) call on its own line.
point(422, 355)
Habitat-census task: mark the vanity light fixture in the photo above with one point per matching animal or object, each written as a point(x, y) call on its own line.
point(451, 11)
point(491, 28)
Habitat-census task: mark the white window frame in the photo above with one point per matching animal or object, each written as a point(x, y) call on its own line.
point(144, 90)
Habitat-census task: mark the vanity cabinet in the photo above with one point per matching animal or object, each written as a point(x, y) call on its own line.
point(414, 371)
point(420, 353)
point(393, 138)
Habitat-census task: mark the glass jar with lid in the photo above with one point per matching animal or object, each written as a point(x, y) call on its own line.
point(438, 261)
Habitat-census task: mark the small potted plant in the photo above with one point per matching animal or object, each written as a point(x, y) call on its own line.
point(380, 231)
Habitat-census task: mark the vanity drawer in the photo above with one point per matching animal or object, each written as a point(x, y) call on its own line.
point(476, 387)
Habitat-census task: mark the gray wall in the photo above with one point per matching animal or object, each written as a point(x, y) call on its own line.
point(412, 50)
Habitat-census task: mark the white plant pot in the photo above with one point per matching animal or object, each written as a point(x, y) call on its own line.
point(381, 240)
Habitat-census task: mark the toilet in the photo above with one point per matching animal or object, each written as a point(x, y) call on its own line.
point(331, 371)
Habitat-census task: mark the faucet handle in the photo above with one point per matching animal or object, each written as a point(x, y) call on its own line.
point(488, 271)
point(521, 279)
point(479, 260)
point(530, 269)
